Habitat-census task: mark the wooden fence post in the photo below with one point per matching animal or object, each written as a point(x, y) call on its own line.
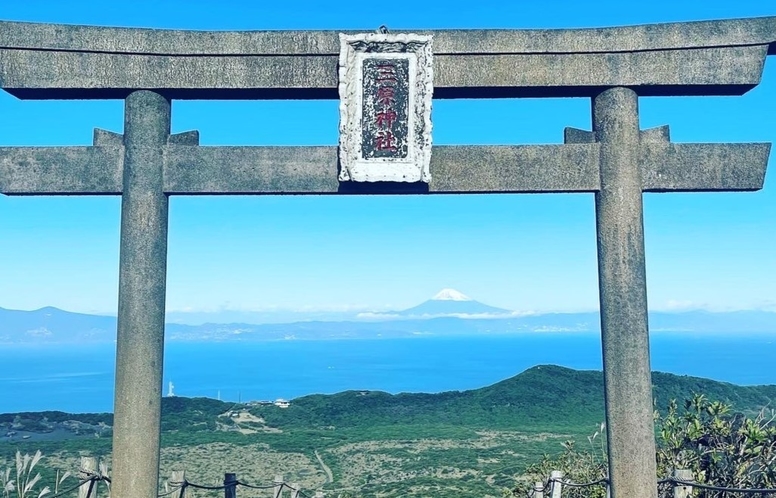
point(103, 471)
point(88, 469)
point(230, 481)
point(278, 489)
point(680, 490)
point(538, 490)
point(556, 486)
point(177, 478)
point(296, 490)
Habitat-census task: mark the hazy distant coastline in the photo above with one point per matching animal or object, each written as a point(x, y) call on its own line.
point(448, 314)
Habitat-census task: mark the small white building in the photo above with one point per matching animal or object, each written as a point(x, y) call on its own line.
point(281, 403)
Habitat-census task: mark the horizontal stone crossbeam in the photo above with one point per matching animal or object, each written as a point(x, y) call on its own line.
point(313, 170)
point(640, 38)
point(46, 61)
point(61, 170)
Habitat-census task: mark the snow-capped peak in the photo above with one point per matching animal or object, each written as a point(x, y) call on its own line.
point(450, 295)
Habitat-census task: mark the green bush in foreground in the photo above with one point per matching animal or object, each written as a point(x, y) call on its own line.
point(578, 465)
point(720, 447)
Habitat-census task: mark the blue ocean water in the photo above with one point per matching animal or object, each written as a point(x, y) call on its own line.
point(80, 379)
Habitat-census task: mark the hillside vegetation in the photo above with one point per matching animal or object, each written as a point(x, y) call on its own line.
point(468, 443)
point(543, 397)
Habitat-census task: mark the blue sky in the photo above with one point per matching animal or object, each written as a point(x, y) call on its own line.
point(522, 252)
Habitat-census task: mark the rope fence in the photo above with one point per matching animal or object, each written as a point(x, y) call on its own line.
point(90, 474)
point(71, 489)
point(554, 485)
point(682, 482)
point(681, 485)
point(179, 487)
point(90, 477)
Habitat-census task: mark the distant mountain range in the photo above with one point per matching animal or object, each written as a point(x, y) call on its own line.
point(449, 313)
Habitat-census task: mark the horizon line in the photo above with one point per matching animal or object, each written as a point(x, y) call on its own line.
point(357, 312)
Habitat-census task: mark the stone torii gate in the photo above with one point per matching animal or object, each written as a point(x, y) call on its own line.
point(616, 161)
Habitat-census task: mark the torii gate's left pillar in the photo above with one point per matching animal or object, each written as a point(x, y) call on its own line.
point(142, 283)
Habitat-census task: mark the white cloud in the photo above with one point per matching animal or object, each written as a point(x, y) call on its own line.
point(767, 305)
point(274, 308)
point(470, 316)
point(680, 305)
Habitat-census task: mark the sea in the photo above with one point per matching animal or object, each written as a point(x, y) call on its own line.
point(80, 379)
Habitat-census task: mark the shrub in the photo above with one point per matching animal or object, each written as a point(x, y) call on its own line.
point(720, 447)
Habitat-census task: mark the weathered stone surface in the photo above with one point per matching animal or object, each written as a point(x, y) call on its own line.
point(658, 134)
point(707, 58)
point(250, 170)
point(35, 74)
point(60, 170)
point(142, 284)
point(623, 297)
point(107, 138)
point(313, 170)
point(728, 32)
point(669, 167)
point(101, 75)
point(708, 71)
point(190, 138)
point(577, 136)
point(520, 168)
point(703, 167)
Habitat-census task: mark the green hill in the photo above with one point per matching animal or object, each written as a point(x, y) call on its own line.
point(542, 397)
point(467, 443)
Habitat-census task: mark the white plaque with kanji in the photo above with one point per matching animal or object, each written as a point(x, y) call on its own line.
point(385, 85)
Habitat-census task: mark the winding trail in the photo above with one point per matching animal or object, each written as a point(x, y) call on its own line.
point(326, 468)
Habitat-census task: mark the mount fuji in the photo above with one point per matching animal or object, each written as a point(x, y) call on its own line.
point(450, 302)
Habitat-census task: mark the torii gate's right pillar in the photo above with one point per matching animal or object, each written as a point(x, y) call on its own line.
point(623, 295)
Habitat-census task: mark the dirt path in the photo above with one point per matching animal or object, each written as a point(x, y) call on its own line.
point(326, 468)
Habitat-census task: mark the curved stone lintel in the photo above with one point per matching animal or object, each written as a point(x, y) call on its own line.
point(35, 74)
point(48, 61)
point(646, 37)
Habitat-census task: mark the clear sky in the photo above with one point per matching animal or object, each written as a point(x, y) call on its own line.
point(522, 252)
